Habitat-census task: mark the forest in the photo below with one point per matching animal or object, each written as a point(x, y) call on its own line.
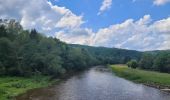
point(28, 52)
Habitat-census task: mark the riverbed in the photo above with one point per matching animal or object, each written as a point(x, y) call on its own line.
point(94, 84)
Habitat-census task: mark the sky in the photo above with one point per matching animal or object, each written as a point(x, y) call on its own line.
point(129, 24)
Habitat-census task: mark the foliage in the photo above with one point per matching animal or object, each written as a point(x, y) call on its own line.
point(111, 55)
point(142, 76)
point(146, 62)
point(162, 62)
point(12, 86)
point(159, 61)
point(29, 52)
point(132, 64)
point(25, 53)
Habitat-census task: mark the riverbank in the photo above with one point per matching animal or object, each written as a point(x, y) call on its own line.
point(149, 78)
point(13, 86)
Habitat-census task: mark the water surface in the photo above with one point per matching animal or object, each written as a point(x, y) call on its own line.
point(94, 84)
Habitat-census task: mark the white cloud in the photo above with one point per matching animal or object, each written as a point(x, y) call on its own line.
point(162, 26)
point(157, 2)
point(142, 34)
point(106, 4)
point(39, 14)
point(77, 36)
point(161, 2)
point(70, 21)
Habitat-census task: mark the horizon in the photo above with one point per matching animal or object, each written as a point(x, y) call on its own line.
point(122, 48)
point(144, 26)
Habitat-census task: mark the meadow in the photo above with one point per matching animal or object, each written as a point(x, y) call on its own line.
point(151, 78)
point(13, 86)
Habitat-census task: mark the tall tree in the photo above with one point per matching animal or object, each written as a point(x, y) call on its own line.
point(146, 61)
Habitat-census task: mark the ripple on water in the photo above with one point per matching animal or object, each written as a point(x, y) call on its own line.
point(96, 85)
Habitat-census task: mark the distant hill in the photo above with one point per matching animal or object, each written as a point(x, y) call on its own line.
point(27, 52)
point(154, 52)
point(110, 55)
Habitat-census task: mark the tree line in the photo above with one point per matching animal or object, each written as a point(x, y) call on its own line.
point(27, 53)
point(155, 60)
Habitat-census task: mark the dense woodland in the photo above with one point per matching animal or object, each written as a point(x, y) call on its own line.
point(27, 53)
point(156, 60)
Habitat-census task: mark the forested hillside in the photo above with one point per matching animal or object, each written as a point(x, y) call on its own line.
point(111, 55)
point(155, 60)
point(27, 52)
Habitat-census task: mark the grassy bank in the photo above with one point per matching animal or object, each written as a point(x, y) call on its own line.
point(13, 86)
point(151, 78)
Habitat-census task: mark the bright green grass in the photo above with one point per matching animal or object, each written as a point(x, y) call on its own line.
point(141, 76)
point(13, 86)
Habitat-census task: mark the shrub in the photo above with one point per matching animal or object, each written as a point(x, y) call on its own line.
point(132, 64)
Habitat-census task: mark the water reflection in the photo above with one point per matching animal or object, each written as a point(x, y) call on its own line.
point(96, 85)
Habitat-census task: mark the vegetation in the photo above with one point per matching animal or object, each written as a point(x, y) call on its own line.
point(27, 53)
point(12, 86)
point(132, 64)
point(151, 78)
point(111, 55)
point(157, 62)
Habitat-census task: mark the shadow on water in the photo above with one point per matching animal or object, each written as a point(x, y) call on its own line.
point(95, 84)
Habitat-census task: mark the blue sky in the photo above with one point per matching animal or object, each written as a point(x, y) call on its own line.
point(129, 24)
point(119, 11)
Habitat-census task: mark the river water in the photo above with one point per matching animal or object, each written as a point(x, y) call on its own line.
point(95, 84)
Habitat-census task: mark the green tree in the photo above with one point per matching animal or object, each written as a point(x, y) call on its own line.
point(7, 55)
point(132, 64)
point(162, 62)
point(3, 32)
point(146, 61)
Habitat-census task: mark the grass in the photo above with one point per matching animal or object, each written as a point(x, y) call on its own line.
point(13, 86)
point(151, 78)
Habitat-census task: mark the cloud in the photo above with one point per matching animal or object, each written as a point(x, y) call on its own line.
point(77, 36)
point(39, 14)
point(160, 2)
point(106, 4)
point(70, 21)
point(157, 2)
point(142, 34)
point(162, 26)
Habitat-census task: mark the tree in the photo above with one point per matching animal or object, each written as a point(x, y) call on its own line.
point(126, 59)
point(7, 55)
point(3, 32)
point(132, 64)
point(162, 62)
point(146, 61)
point(34, 35)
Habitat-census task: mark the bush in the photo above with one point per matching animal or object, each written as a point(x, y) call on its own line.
point(132, 64)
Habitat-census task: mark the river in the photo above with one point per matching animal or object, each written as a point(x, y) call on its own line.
point(95, 84)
